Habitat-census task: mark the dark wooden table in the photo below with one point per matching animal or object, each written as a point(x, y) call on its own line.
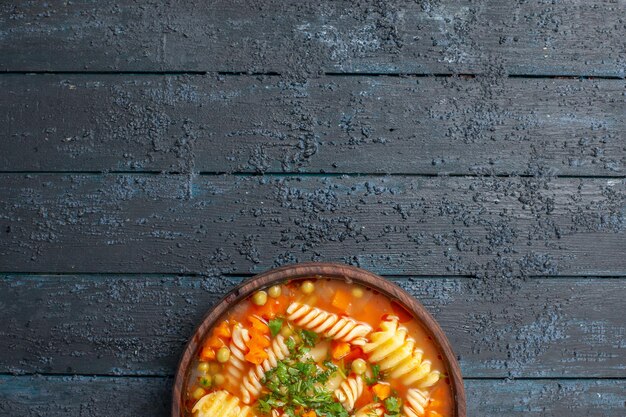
point(154, 154)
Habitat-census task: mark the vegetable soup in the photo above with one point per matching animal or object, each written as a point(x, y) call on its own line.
point(318, 348)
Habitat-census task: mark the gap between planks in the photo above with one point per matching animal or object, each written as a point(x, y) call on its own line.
point(328, 74)
point(312, 174)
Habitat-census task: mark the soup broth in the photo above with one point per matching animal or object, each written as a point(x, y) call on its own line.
point(316, 348)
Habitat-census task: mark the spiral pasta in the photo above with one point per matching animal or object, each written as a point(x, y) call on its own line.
point(370, 410)
point(328, 324)
point(415, 403)
point(396, 353)
point(236, 364)
point(221, 404)
point(349, 391)
point(251, 385)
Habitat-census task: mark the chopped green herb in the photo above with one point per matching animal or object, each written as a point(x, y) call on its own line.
point(375, 371)
point(309, 338)
point(296, 385)
point(392, 404)
point(375, 375)
point(275, 325)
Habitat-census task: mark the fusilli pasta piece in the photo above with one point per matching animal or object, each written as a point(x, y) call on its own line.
point(396, 353)
point(416, 402)
point(328, 324)
point(251, 385)
point(349, 391)
point(370, 410)
point(221, 404)
point(236, 364)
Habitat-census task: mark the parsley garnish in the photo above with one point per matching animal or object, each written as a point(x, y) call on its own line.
point(291, 344)
point(375, 375)
point(309, 338)
point(275, 325)
point(296, 385)
point(392, 404)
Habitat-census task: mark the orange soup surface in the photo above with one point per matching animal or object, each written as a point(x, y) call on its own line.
point(318, 348)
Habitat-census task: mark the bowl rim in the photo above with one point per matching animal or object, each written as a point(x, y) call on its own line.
point(331, 270)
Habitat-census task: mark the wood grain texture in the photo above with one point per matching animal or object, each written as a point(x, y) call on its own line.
point(93, 396)
point(575, 37)
point(189, 102)
point(493, 228)
point(436, 125)
point(138, 325)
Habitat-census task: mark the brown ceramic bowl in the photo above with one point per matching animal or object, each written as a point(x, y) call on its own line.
point(320, 270)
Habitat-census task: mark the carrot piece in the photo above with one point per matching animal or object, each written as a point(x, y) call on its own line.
point(207, 354)
point(258, 339)
point(259, 324)
point(339, 350)
point(382, 391)
point(310, 413)
point(223, 330)
point(256, 356)
point(342, 300)
point(215, 342)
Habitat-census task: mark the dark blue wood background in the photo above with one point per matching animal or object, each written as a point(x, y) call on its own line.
point(154, 154)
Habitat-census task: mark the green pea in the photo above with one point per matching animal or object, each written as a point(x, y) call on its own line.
point(203, 367)
point(219, 379)
point(359, 366)
point(198, 393)
point(275, 291)
point(307, 287)
point(223, 354)
point(259, 298)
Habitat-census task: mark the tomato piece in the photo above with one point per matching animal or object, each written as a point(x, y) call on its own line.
point(355, 353)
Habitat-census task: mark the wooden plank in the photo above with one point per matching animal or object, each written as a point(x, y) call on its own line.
point(575, 37)
point(603, 398)
point(84, 396)
point(332, 124)
point(93, 396)
point(138, 325)
point(490, 227)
